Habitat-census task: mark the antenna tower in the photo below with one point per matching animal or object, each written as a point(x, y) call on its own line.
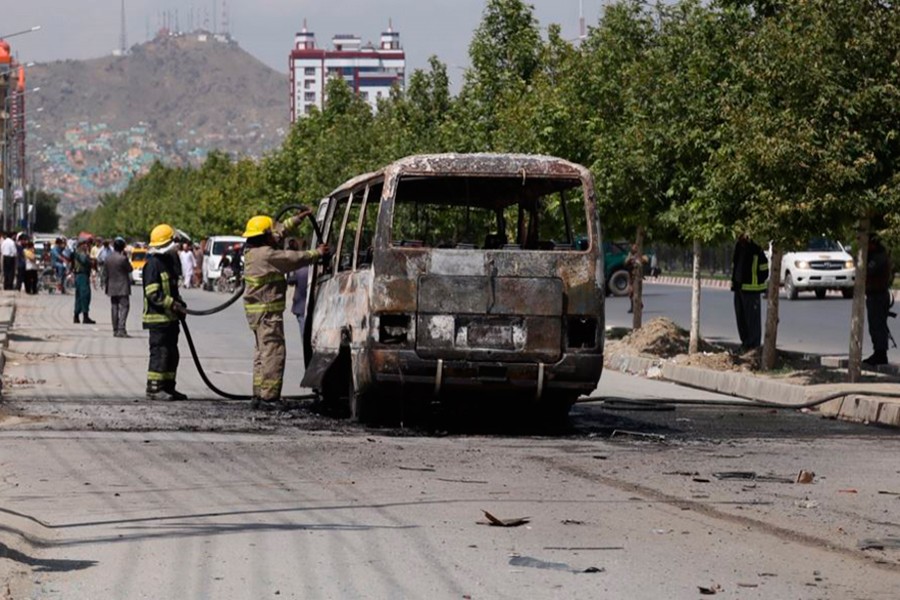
point(581, 29)
point(123, 40)
point(225, 24)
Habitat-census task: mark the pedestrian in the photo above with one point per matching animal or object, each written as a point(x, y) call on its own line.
point(198, 262)
point(163, 307)
point(59, 261)
point(31, 269)
point(102, 255)
point(8, 253)
point(265, 289)
point(81, 266)
point(299, 279)
point(749, 272)
point(186, 256)
point(118, 287)
point(879, 276)
point(94, 253)
point(21, 240)
point(634, 262)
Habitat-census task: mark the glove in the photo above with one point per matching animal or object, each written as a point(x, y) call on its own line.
point(179, 308)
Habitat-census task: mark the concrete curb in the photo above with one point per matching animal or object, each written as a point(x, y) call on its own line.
point(849, 407)
point(7, 316)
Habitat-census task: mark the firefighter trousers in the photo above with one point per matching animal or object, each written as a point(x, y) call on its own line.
point(163, 355)
point(269, 357)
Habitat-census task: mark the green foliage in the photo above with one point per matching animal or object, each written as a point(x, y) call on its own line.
point(46, 218)
point(697, 119)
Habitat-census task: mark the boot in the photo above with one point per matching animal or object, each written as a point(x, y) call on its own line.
point(88, 320)
point(879, 357)
point(168, 388)
point(265, 404)
point(76, 318)
point(154, 390)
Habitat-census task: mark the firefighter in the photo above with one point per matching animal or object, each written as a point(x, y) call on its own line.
point(265, 290)
point(163, 307)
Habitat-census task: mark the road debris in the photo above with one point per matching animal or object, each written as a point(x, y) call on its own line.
point(425, 469)
point(888, 493)
point(495, 522)
point(640, 434)
point(747, 475)
point(711, 590)
point(805, 476)
point(583, 548)
point(848, 491)
point(462, 480)
point(572, 522)
point(807, 503)
point(888, 543)
point(536, 563)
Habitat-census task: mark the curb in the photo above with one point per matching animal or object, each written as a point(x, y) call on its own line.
point(851, 407)
point(7, 316)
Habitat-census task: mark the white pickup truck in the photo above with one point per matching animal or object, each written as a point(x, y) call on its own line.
point(824, 265)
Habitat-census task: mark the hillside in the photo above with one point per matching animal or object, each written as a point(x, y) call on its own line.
point(94, 124)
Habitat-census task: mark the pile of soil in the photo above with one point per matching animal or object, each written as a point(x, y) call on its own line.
point(662, 338)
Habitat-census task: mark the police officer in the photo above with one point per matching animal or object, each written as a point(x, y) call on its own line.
point(163, 307)
point(265, 289)
point(879, 276)
point(81, 266)
point(749, 273)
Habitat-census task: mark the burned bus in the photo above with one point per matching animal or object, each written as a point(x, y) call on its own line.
point(459, 274)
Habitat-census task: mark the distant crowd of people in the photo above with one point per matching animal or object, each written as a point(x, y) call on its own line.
point(20, 262)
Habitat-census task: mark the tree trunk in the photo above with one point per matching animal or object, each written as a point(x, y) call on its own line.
point(858, 314)
point(770, 341)
point(637, 281)
point(694, 344)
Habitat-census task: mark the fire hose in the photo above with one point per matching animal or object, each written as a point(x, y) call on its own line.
point(234, 297)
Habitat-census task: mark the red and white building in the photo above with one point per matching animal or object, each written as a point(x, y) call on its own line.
point(370, 71)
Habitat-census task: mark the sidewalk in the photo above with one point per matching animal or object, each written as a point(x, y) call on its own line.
point(858, 402)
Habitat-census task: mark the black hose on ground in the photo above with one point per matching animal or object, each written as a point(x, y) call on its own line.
point(234, 297)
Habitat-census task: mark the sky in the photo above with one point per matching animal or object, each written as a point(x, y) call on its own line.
point(79, 29)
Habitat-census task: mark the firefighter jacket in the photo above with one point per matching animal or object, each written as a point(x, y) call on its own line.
point(265, 286)
point(750, 268)
point(160, 290)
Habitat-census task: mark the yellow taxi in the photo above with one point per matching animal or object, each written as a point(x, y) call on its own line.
point(137, 254)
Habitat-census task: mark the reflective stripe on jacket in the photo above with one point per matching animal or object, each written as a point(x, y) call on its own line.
point(750, 268)
point(264, 277)
point(160, 290)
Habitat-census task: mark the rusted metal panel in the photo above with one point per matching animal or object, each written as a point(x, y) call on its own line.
point(491, 295)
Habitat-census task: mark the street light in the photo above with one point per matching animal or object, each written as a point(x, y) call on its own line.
point(23, 32)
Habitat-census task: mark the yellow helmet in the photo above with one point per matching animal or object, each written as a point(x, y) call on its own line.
point(161, 235)
point(258, 225)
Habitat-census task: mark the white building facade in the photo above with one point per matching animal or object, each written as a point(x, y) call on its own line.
point(370, 71)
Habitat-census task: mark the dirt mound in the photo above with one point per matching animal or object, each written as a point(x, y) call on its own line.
point(662, 337)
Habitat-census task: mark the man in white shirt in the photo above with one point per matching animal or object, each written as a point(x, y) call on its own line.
point(187, 264)
point(8, 251)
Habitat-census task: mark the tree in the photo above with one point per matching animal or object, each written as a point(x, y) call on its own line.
point(811, 142)
point(505, 55)
point(46, 217)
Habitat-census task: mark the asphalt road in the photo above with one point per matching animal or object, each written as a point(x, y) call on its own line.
point(106, 495)
point(807, 324)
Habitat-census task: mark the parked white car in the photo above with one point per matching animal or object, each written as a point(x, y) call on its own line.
point(824, 265)
point(212, 257)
